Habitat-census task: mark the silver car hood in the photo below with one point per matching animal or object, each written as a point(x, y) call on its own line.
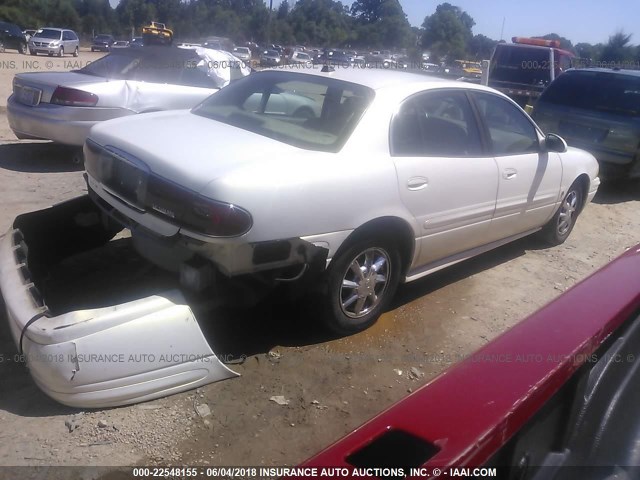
point(209, 151)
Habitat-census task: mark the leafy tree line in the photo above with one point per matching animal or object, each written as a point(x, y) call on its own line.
point(370, 24)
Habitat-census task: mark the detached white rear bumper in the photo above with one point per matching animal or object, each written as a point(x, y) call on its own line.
point(102, 357)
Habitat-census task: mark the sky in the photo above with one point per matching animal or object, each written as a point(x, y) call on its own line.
point(591, 21)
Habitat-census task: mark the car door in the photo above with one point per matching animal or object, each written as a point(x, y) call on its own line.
point(445, 177)
point(529, 179)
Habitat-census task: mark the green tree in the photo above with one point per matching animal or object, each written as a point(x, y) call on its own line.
point(448, 31)
point(481, 47)
point(617, 48)
point(381, 23)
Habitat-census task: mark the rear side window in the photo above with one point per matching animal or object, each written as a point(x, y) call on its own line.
point(435, 124)
point(599, 91)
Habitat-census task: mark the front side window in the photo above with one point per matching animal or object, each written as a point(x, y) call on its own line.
point(435, 124)
point(311, 112)
point(509, 129)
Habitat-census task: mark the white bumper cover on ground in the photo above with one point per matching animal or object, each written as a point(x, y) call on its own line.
point(116, 355)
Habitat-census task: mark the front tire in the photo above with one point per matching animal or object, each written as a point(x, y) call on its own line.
point(61, 52)
point(76, 52)
point(23, 49)
point(557, 230)
point(361, 281)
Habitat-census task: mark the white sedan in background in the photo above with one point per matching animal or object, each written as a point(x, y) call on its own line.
point(63, 106)
point(397, 175)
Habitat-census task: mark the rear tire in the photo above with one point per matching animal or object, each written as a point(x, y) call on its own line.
point(557, 230)
point(1, 47)
point(361, 282)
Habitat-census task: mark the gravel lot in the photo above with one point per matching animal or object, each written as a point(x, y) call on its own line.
point(332, 384)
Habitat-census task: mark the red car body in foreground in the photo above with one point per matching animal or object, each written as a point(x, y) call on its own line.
point(560, 388)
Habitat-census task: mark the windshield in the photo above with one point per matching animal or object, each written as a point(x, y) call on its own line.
point(102, 38)
point(241, 50)
point(310, 112)
point(520, 64)
point(48, 33)
point(600, 91)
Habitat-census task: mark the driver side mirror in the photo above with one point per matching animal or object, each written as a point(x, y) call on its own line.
point(554, 143)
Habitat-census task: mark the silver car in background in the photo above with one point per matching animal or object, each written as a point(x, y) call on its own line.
point(63, 106)
point(54, 41)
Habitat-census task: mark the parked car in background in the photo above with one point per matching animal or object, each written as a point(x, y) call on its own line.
point(243, 53)
point(300, 58)
point(599, 110)
point(102, 43)
point(11, 37)
point(218, 43)
point(28, 33)
point(62, 106)
point(54, 41)
point(270, 58)
point(396, 176)
point(552, 398)
point(120, 44)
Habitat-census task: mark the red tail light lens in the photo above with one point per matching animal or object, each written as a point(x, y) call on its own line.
point(215, 218)
point(72, 97)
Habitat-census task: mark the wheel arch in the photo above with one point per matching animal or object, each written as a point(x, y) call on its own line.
point(388, 227)
point(584, 182)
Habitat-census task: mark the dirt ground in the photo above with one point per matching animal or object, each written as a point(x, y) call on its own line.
point(332, 384)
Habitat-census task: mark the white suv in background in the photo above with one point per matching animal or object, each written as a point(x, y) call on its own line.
point(54, 41)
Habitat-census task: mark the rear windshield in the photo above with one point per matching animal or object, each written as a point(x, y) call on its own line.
point(518, 64)
point(48, 33)
point(310, 112)
point(601, 91)
point(152, 64)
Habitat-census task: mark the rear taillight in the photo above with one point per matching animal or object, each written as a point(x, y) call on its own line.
point(72, 97)
point(215, 218)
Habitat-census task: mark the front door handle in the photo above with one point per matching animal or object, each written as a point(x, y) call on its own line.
point(509, 173)
point(417, 183)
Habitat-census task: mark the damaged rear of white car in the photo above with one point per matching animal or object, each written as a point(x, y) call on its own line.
point(152, 346)
point(63, 106)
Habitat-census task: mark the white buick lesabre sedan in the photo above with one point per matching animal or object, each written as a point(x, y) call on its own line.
point(390, 177)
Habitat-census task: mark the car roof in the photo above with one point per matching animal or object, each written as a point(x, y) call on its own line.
point(377, 79)
point(613, 71)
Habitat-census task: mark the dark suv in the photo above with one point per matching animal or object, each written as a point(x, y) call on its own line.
point(102, 43)
point(12, 37)
point(598, 110)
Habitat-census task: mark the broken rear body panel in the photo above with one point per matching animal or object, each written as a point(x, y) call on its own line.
point(99, 357)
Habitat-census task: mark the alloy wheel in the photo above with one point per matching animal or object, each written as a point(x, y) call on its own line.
point(364, 283)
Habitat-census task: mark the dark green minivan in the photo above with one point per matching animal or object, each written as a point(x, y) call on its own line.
point(598, 110)
point(12, 37)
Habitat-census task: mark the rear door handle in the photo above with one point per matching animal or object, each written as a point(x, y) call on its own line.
point(417, 183)
point(509, 173)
